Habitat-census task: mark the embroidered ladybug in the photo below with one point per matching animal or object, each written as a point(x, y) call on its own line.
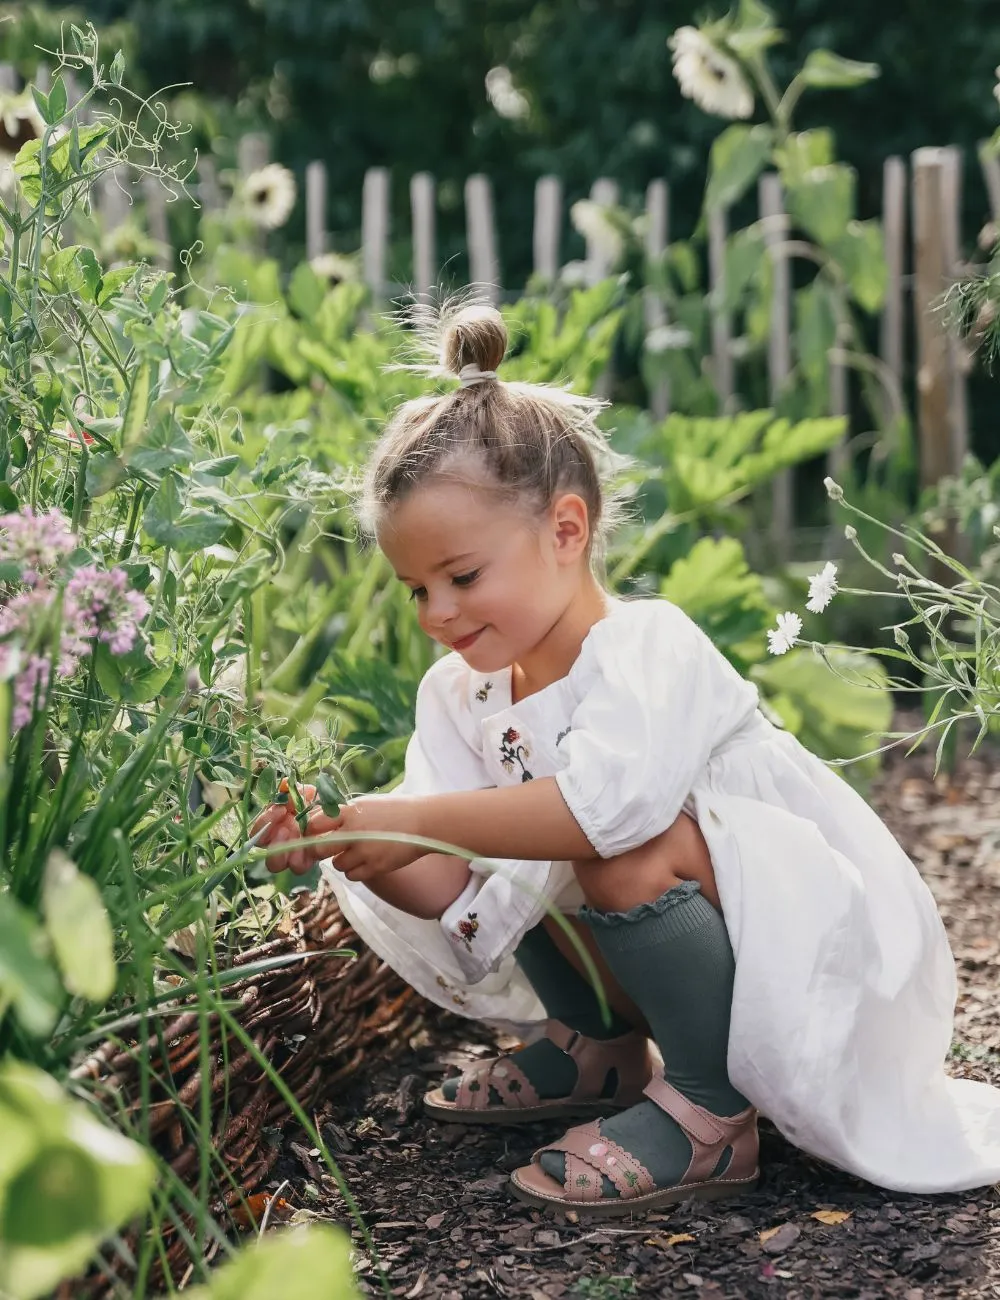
point(467, 929)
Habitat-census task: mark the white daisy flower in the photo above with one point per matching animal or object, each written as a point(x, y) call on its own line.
point(505, 97)
point(822, 589)
point(591, 220)
point(269, 195)
point(784, 636)
point(334, 268)
point(712, 79)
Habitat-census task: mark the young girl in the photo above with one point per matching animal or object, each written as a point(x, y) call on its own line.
point(750, 914)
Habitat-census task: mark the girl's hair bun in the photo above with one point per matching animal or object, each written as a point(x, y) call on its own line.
point(474, 336)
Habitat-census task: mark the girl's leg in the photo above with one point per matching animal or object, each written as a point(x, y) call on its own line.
point(654, 915)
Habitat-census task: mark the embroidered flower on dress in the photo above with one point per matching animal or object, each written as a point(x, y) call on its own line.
point(483, 691)
point(467, 930)
point(511, 752)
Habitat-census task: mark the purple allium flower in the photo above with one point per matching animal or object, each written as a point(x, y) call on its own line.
point(36, 543)
point(31, 688)
point(103, 606)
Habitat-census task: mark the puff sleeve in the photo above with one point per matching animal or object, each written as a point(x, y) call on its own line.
point(659, 698)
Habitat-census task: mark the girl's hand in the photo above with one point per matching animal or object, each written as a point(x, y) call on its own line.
point(362, 860)
point(366, 859)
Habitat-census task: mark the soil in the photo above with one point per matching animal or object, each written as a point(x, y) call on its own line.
point(434, 1198)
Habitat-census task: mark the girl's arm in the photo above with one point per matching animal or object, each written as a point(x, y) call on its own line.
point(425, 888)
point(523, 821)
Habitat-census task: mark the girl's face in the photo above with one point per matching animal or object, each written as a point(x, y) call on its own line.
point(488, 580)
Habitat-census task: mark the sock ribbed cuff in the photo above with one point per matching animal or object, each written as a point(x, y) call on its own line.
point(681, 910)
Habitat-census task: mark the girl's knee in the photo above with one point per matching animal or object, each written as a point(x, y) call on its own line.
point(646, 872)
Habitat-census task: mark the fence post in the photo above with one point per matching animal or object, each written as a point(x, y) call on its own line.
point(209, 191)
point(375, 228)
point(548, 222)
point(722, 358)
point(894, 242)
point(930, 275)
point(8, 78)
point(657, 238)
point(774, 224)
point(422, 209)
point(484, 267)
point(315, 209)
point(603, 192)
point(959, 357)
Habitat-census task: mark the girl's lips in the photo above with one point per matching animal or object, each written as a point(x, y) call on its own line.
point(466, 641)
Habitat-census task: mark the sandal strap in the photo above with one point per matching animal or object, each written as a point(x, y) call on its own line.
point(628, 1055)
point(588, 1155)
point(504, 1076)
point(709, 1134)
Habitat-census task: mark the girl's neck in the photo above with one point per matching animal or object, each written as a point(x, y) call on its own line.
point(558, 650)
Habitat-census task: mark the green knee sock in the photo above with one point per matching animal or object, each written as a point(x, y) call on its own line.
point(567, 996)
point(674, 959)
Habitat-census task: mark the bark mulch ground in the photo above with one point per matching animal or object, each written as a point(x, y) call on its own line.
point(434, 1196)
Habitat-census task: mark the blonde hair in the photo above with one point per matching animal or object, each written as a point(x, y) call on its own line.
point(524, 442)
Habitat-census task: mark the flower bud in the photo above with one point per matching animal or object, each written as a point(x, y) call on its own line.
point(897, 558)
point(833, 490)
point(851, 533)
point(900, 637)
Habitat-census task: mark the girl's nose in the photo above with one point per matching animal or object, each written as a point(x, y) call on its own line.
point(441, 608)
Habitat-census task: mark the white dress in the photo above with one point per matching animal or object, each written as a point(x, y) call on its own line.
point(845, 984)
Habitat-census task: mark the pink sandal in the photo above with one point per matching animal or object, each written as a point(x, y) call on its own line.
point(589, 1156)
point(628, 1056)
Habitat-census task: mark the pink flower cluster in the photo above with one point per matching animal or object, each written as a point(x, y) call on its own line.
point(37, 633)
point(35, 543)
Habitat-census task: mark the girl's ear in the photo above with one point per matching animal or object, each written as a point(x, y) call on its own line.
point(570, 527)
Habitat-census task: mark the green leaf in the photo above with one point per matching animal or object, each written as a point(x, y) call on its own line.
point(754, 30)
point(714, 585)
point(78, 929)
point(219, 467)
point(27, 978)
point(57, 99)
point(822, 202)
point(825, 70)
point(860, 250)
point(42, 104)
point(329, 795)
point(801, 152)
point(74, 270)
point(168, 522)
point(135, 678)
point(66, 1182)
point(104, 472)
point(306, 291)
point(163, 445)
point(816, 330)
point(738, 156)
point(303, 1264)
point(117, 69)
point(114, 282)
point(745, 253)
point(157, 296)
point(838, 715)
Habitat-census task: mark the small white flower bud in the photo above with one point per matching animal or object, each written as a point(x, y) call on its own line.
point(897, 558)
point(833, 490)
point(851, 533)
point(900, 637)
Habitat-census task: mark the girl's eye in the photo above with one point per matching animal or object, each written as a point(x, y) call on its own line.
point(459, 579)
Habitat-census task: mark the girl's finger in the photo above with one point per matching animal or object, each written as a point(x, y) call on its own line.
point(320, 824)
point(279, 861)
point(273, 815)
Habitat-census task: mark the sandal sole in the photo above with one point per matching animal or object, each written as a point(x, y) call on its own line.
point(522, 1114)
point(619, 1208)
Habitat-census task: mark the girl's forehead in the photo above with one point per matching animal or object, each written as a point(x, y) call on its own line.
point(439, 521)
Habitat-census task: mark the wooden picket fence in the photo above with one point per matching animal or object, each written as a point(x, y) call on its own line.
point(919, 364)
